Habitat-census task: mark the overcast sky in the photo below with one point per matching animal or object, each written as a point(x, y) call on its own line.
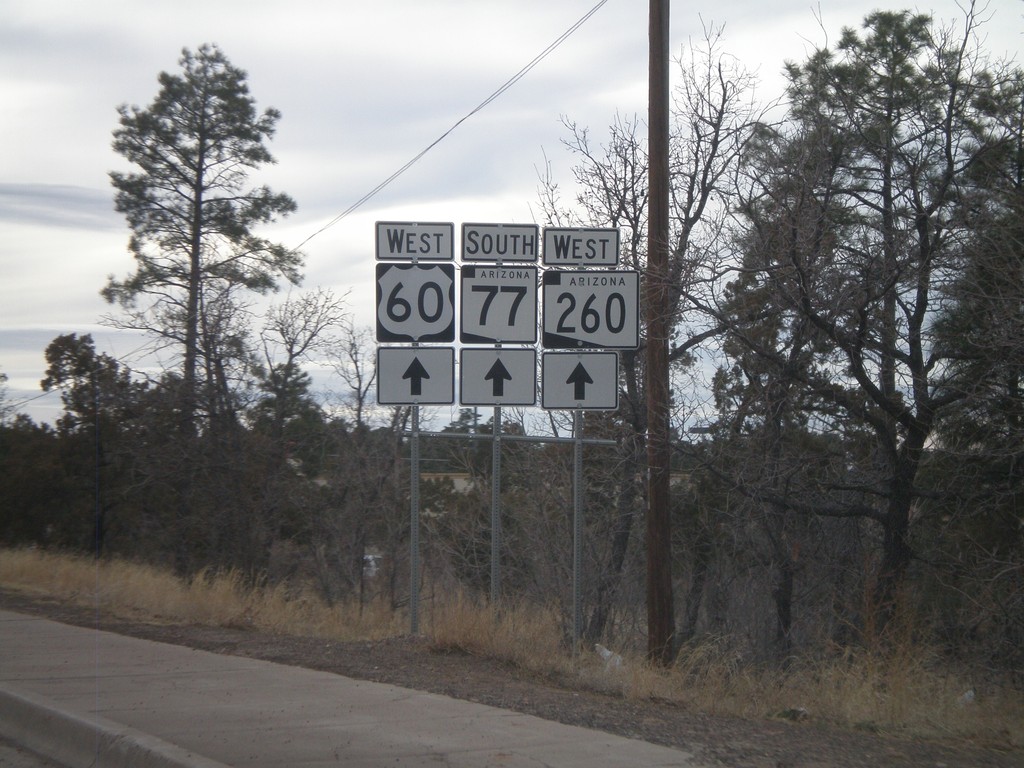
point(362, 87)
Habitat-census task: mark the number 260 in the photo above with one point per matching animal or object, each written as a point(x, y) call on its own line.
point(614, 315)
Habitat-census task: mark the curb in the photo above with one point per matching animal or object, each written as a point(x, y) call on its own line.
point(74, 740)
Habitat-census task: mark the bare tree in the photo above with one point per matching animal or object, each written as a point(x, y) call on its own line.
point(293, 332)
point(352, 360)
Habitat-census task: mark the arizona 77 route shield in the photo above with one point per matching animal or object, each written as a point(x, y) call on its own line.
point(499, 305)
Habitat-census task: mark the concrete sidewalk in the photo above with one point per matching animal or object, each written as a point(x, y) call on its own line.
point(85, 697)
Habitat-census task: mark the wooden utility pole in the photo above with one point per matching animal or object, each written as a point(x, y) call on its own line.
point(660, 620)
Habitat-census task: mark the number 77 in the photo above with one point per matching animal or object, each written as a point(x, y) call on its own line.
point(492, 291)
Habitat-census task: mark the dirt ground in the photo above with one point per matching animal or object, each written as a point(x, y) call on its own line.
point(410, 662)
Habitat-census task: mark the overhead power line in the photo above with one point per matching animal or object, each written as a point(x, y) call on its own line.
point(501, 89)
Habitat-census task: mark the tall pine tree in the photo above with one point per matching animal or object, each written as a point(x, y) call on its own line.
point(193, 215)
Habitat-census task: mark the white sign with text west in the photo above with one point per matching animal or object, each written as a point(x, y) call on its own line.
point(412, 241)
point(579, 247)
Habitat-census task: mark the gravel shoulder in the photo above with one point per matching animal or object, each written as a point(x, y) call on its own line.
point(410, 662)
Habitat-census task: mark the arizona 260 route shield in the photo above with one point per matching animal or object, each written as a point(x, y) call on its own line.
point(591, 309)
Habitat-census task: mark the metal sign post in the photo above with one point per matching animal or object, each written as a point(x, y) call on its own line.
point(496, 509)
point(577, 529)
point(414, 524)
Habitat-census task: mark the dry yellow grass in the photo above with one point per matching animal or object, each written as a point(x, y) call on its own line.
point(526, 636)
point(139, 591)
point(905, 690)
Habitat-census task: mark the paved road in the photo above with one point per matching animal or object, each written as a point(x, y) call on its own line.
point(81, 695)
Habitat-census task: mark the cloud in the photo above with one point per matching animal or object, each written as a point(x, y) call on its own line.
point(362, 87)
point(58, 205)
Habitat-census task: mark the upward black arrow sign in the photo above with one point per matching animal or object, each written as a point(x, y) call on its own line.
point(416, 373)
point(579, 378)
point(498, 375)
